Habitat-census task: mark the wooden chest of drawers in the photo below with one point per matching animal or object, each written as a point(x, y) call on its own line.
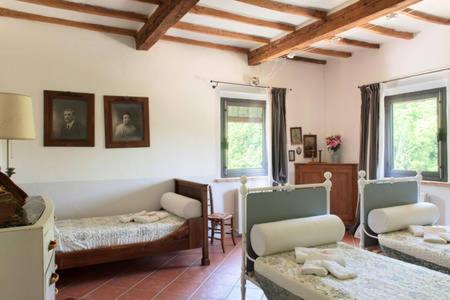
point(27, 259)
point(344, 192)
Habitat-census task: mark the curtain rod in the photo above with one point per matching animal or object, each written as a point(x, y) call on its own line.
point(410, 76)
point(216, 83)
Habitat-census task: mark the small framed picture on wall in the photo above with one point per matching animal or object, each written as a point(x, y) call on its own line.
point(291, 155)
point(309, 145)
point(126, 122)
point(296, 135)
point(69, 119)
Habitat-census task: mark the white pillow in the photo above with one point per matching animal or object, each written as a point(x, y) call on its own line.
point(275, 237)
point(181, 206)
point(394, 218)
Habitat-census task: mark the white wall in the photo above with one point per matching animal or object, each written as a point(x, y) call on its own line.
point(184, 112)
point(427, 51)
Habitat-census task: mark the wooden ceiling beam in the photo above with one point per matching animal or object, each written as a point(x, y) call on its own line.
point(356, 43)
point(425, 17)
point(212, 12)
point(308, 60)
point(91, 9)
point(203, 44)
point(88, 26)
point(288, 8)
point(388, 31)
point(155, 2)
point(220, 32)
point(165, 16)
point(327, 52)
point(354, 15)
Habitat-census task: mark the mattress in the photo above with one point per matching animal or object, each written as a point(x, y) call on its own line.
point(405, 242)
point(97, 232)
point(379, 277)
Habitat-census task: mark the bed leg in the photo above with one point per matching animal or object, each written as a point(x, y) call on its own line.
point(205, 255)
point(243, 282)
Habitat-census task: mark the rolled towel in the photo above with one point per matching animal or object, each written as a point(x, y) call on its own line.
point(434, 238)
point(126, 219)
point(337, 270)
point(416, 230)
point(145, 219)
point(314, 267)
point(445, 236)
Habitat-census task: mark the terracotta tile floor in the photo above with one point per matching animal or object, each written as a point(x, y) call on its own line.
point(172, 276)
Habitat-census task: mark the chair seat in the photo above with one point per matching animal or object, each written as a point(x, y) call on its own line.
point(220, 216)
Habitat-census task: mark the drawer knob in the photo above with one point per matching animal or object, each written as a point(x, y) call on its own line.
point(56, 291)
point(54, 278)
point(52, 245)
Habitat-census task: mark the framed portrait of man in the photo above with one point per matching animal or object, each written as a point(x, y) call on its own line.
point(69, 119)
point(126, 122)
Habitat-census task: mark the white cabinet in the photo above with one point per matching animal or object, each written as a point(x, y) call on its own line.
point(27, 259)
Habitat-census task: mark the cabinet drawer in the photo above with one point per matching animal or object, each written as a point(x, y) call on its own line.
point(49, 246)
point(50, 279)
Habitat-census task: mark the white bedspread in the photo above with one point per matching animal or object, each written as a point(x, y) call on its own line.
point(379, 277)
point(405, 242)
point(91, 233)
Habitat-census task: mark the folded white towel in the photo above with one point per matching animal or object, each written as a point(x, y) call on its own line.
point(435, 238)
point(434, 229)
point(301, 254)
point(416, 230)
point(445, 236)
point(145, 219)
point(314, 267)
point(337, 270)
point(323, 256)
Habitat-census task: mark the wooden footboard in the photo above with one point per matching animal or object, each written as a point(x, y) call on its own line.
point(192, 234)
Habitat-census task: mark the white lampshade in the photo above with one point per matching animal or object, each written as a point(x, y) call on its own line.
point(16, 117)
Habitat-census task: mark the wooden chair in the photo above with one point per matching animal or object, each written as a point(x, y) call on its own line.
point(218, 223)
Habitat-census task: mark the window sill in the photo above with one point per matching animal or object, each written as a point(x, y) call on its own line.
point(436, 183)
point(237, 179)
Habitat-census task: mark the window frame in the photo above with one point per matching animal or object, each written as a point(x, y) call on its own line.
point(225, 172)
point(440, 94)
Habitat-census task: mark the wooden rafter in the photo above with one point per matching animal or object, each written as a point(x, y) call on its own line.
point(91, 9)
point(308, 60)
point(220, 32)
point(156, 2)
point(88, 26)
point(288, 8)
point(204, 44)
point(388, 31)
point(356, 43)
point(165, 16)
point(354, 15)
point(327, 52)
point(425, 17)
point(212, 12)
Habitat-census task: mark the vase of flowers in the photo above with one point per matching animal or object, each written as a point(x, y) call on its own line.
point(333, 145)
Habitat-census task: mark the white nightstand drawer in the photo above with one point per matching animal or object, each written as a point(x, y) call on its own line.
point(51, 277)
point(49, 246)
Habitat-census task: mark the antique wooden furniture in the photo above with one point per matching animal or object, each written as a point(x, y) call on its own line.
point(344, 192)
point(219, 222)
point(27, 259)
point(192, 234)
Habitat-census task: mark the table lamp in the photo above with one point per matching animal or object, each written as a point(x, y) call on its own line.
point(16, 121)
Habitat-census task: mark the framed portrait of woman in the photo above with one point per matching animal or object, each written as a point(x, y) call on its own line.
point(126, 122)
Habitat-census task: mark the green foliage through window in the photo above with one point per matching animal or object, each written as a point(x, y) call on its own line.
point(243, 137)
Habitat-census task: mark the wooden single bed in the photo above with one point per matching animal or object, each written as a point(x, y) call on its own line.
point(192, 234)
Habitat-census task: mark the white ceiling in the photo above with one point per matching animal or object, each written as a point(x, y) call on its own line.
point(401, 22)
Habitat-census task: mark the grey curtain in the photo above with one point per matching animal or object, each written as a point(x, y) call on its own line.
point(370, 122)
point(279, 150)
point(369, 139)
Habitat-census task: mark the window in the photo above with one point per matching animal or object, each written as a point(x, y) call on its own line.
point(243, 137)
point(416, 134)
